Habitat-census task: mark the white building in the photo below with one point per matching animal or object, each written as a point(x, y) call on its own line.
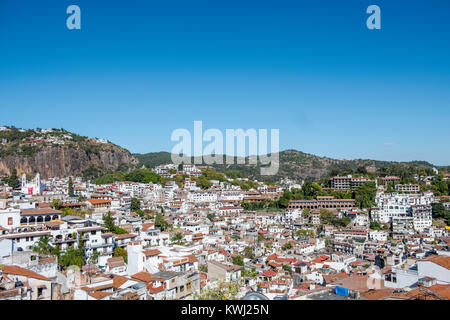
point(378, 235)
point(203, 196)
point(10, 218)
point(392, 205)
point(407, 187)
point(31, 187)
point(422, 216)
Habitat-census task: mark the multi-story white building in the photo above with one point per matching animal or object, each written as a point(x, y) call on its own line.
point(348, 182)
point(235, 195)
point(203, 196)
point(392, 205)
point(378, 235)
point(422, 216)
point(407, 187)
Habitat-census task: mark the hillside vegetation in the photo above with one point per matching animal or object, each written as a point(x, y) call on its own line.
point(298, 165)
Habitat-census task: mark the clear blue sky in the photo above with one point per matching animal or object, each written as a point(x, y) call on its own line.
point(137, 70)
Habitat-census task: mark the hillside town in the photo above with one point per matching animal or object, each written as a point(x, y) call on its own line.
point(193, 233)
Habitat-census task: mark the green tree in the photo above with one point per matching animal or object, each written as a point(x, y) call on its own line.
point(283, 202)
point(135, 204)
point(43, 246)
point(13, 180)
point(342, 222)
point(161, 222)
point(203, 182)
point(238, 260)
point(248, 253)
point(440, 187)
point(121, 252)
point(56, 204)
point(94, 257)
point(310, 189)
point(261, 237)
point(143, 176)
point(306, 212)
point(246, 205)
point(108, 222)
point(287, 268)
point(223, 291)
point(305, 233)
point(375, 225)
point(438, 210)
point(365, 195)
point(70, 187)
point(326, 216)
point(73, 256)
point(177, 237)
point(249, 273)
point(288, 245)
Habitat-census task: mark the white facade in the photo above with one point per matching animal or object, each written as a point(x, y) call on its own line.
point(431, 269)
point(393, 205)
point(10, 218)
point(31, 187)
point(378, 235)
point(203, 196)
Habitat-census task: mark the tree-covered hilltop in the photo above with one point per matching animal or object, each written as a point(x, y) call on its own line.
point(59, 153)
point(298, 165)
point(153, 159)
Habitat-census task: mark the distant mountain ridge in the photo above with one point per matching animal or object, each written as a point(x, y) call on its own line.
point(60, 153)
point(294, 164)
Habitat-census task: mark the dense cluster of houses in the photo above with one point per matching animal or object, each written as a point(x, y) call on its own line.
point(209, 239)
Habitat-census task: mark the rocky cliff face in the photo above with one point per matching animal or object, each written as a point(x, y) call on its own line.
point(63, 161)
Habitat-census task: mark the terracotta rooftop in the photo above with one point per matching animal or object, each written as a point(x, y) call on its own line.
point(40, 211)
point(15, 270)
point(441, 260)
point(142, 276)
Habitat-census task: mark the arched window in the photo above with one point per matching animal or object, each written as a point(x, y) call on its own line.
point(40, 219)
point(55, 217)
point(48, 218)
point(32, 220)
point(24, 220)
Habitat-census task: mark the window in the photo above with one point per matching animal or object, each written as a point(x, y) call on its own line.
point(10, 221)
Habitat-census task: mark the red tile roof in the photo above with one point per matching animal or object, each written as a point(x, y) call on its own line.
point(441, 260)
point(15, 270)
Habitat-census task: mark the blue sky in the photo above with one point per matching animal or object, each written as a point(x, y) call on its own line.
point(137, 70)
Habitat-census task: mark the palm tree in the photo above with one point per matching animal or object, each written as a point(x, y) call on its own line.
point(43, 246)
